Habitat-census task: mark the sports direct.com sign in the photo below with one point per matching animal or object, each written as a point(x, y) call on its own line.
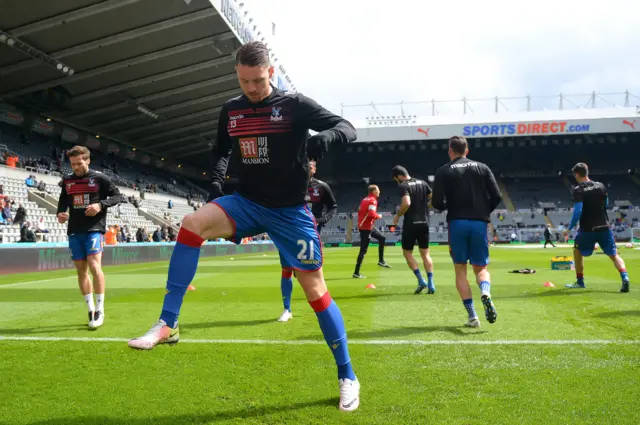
point(524, 129)
point(437, 128)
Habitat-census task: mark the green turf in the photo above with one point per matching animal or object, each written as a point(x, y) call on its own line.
point(452, 382)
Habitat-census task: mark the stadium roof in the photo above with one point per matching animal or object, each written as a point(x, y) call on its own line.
point(151, 74)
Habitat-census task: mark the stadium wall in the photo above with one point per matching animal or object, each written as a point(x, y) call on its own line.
point(24, 258)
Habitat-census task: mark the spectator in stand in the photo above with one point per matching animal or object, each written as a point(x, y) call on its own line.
point(172, 234)
point(165, 235)
point(1, 190)
point(31, 181)
point(26, 234)
point(157, 235)
point(42, 186)
point(6, 212)
point(110, 236)
point(41, 227)
point(170, 204)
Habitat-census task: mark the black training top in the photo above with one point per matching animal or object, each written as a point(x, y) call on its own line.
point(80, 192)
point(593, 196)
point(319, 196)
point(267, 141)
point(466, 189)
point(418, 191)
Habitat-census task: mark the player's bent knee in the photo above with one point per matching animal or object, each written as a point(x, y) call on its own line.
point(312, 284)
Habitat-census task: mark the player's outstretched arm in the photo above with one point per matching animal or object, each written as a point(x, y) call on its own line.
point(438, 196)
point(220, 155)
point(114, 197)
point(495, 196)
point(331, 128)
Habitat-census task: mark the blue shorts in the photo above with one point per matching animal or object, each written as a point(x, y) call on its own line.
point(292, 230)
point(85, 244)
point(586, 242)
point(469, 241)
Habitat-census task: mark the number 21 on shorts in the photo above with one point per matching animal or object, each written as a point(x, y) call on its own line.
point(304, 247)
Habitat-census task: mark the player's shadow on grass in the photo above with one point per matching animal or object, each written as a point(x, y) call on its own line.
point(43, 330)
point(226, 324)
point(625, 313)
point(195, 418)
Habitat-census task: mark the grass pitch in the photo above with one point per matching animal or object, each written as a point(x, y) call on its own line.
point(555, 356)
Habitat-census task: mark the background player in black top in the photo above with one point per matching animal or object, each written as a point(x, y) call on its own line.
point(265, 133)
point(320, 199)
point(319, 196)
point(590, 210)
point(415, 195)
point(87, 194)
point(469, 192)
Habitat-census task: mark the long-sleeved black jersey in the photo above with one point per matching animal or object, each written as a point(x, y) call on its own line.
point(319, 195)
point(466, 189)
point(80, 192)
point(267, 144)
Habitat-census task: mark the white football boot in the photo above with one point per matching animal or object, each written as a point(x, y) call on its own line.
point(285, 316)
point(349, 394)
point(159, 333)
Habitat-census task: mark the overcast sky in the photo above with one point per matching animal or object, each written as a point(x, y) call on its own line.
point(359, 51)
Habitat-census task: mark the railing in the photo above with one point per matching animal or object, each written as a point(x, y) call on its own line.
point(401, 112)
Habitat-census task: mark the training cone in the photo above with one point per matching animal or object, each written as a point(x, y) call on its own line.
point(370, 286)
point(549, 285)
point(191, 288)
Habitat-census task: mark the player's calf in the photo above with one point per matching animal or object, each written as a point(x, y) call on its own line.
point(332, 326)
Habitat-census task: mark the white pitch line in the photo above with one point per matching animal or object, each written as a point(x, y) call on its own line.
point(31, 282)
point(352, 342)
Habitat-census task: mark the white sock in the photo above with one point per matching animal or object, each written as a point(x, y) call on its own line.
point(100, 302)
point(89, 300)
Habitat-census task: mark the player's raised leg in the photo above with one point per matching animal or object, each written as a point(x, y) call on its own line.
point(381, 242)
point(286, 288)
point(294, 233)
point(208, 222)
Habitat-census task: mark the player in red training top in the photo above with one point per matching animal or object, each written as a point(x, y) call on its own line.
point(367, 215)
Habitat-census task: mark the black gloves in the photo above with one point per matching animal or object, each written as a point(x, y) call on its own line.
point(215, 192)
point(318, 145)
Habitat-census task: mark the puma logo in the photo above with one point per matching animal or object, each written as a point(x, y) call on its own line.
point(426, 132)
point(631, 124)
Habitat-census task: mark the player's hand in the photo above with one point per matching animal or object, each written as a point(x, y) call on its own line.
point(63, 217)
point(379, 217)
point(396, 219)
point(92, 210)
point(317, 146)
point(215, 192)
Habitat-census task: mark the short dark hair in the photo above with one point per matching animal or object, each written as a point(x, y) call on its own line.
point(399, 170)
point(254, 53)
point(458, 144)
point(79, 151)
point(581, 169)
point(372, 188)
